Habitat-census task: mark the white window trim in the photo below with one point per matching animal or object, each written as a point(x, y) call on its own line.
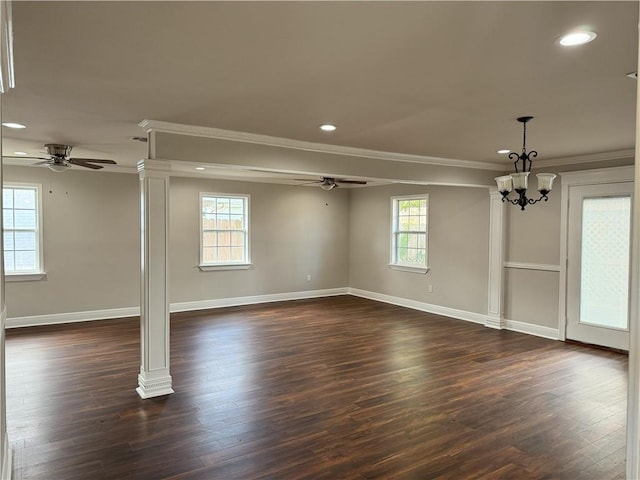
point(210, 267)
point(24, 277)
point(393, 264)
point(407, 268)
point(225, 266)
point(39, 273)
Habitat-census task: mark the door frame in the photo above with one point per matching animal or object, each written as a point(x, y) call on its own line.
point(568, 180)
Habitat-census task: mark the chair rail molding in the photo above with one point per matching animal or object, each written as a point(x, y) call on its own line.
point(543, 267)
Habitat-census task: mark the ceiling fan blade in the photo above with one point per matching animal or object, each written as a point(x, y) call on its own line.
point(40, 163)
point(353, 182)
point(306, 181)
point(82, 163)
point(93, 160)
point(24, 157)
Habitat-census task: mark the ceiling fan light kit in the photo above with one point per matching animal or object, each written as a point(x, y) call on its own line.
point(58, 167)
point(518, 181)
point(328, 184)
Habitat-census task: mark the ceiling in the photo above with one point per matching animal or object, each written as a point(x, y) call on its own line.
point(438, 79)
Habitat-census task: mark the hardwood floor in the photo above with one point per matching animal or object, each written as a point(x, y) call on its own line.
point(335, 388)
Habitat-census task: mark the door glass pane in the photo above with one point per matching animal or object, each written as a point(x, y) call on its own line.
point(604, 276)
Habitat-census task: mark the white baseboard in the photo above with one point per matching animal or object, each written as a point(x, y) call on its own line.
point(531, 329)
point(71, 317)
point(255, 299)
point(57, 318)
point(425, 307)
point(521, 327)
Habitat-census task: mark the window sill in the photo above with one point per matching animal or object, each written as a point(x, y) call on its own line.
point(407, 268)
point(25, 277)
point(231, 266)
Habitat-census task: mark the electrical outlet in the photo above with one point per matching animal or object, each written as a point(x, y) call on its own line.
point(309, 278)
point(430, 288)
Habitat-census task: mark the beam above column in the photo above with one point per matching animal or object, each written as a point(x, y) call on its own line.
point(245, 151)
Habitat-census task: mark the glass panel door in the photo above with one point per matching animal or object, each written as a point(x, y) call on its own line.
point(604, 279)
point(598, 247)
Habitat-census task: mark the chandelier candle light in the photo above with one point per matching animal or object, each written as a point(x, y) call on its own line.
point(519, 181)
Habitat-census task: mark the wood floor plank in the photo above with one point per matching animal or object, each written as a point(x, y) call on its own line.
point(334, 388)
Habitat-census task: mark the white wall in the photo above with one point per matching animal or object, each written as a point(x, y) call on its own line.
point(295, 231)
point(458, 246)
point(92, 246)
point(533, 237)
point(91, 243)
point(341, 238)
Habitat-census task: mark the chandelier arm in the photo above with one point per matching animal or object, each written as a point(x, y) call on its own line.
point(513, 155)
point(544, 197)
point(532, 154)
point(521, 200)
point(506, 199)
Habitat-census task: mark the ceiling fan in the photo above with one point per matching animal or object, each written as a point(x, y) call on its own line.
point(59, 160)
point(329, 183)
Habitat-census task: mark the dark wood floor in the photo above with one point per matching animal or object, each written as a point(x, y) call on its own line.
point(337, 388)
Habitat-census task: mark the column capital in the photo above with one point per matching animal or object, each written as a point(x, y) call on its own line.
point(154, 168)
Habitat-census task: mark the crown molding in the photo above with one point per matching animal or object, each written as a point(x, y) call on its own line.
point(588, 158)
point(244, 137)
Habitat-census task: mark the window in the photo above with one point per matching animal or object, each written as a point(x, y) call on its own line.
point(22, 234)
point(224, 224)
point(409, 233)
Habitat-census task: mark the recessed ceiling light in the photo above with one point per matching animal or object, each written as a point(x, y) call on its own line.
point(577, 38)
point(327, 127)
point(20, 153)
point(199, 168)
point(504, 150)
point(13, 125)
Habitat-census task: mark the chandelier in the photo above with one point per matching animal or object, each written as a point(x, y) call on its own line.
point(519, 181)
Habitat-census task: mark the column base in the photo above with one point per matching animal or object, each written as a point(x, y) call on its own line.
point(154, 385)
point(495, 322)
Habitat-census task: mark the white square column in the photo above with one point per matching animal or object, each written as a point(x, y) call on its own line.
point(497, 233)
point(154, 378)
